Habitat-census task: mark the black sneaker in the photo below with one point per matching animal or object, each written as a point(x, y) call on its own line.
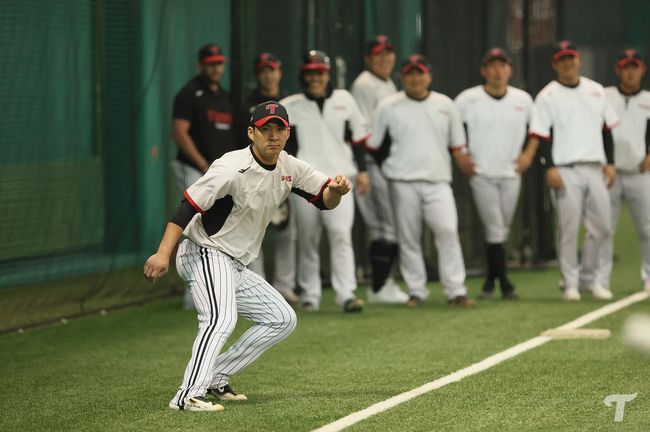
point(226, 393)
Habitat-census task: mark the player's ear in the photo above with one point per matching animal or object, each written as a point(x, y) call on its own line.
point(251, 133)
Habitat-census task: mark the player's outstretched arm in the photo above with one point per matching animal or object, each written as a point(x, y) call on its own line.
point(157, 264)
point(338, 187)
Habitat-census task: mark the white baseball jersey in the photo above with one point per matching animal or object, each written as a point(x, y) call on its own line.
point(238, 195)
point(496, 128)
point(421, 133)
point(577, 116)
point(629, 137)
point(368, 89)
point(321, 136)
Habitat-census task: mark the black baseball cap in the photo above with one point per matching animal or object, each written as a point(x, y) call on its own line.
point(629, 56)
point(495, 53)
point(565, 48)
point(315, 60)
point(378, 44)
point(415, 61)
point(267, 111)
point(211, 53)
point(267, 59)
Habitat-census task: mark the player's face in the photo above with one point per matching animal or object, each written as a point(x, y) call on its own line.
point(213, 71)
point(631, 75)
point(269, 140)
point(496, 73)
point(416, 83)
point(567, 67)
point(316, 82)
point(382, 63)
point(268, 79)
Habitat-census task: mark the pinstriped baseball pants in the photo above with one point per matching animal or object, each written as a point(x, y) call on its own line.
point(222, 289)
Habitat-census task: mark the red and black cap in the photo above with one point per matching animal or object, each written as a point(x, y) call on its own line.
point(269, 110)
point(315, 60)
point(267, 59)
point(495, 53)
point(211, 53)
point(565, 48)
point(415, 61)
point(378, 44)
point(629, 56)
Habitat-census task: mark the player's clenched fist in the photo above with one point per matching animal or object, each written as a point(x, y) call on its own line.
point(155, 267)
point(553, 178)
point(340, 185)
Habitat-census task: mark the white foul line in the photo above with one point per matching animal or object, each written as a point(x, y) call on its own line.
point(487, 363)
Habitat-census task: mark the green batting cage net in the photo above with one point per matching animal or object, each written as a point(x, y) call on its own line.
point(87, 86)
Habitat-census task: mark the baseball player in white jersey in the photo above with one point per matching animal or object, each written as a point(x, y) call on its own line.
point(574, 118)
point(320, 116)
point(413, 132)
point(631, 155)
point(224, 216)
point(496, 118)
point(371, 86)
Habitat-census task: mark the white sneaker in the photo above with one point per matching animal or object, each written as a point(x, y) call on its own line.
point(388, 294)
point(197, 403)
point(571, 294)
point(600, 292)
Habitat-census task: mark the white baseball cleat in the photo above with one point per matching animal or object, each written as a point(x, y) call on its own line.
point(388, 294)
point(600, 292)
point(571, 294)
point(197, 403)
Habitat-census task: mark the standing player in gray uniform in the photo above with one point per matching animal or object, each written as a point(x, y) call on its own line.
point(368, 89)
point(496, 117)
point(224, 216)
point(574, 119)
point(632, 157)
point(321, 118)
point(413, 132)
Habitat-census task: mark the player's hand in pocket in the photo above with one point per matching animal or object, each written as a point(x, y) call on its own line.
point(155, 267)
point(553, 178)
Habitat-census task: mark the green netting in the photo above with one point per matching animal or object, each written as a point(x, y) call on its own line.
point(87, 88)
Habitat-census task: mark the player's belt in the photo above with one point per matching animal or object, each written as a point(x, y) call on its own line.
point(579, 164)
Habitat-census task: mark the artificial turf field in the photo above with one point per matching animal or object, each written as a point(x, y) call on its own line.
point(118, 372)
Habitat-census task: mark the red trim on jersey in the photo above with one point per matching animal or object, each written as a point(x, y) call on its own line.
point(320, 192)
point(545, 138)
point(192, 203)
point(217, 58)
point(362, 141)
point(609, 128)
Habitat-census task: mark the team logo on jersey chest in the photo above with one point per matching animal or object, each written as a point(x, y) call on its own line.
point(286, 178)
point(644, 106)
